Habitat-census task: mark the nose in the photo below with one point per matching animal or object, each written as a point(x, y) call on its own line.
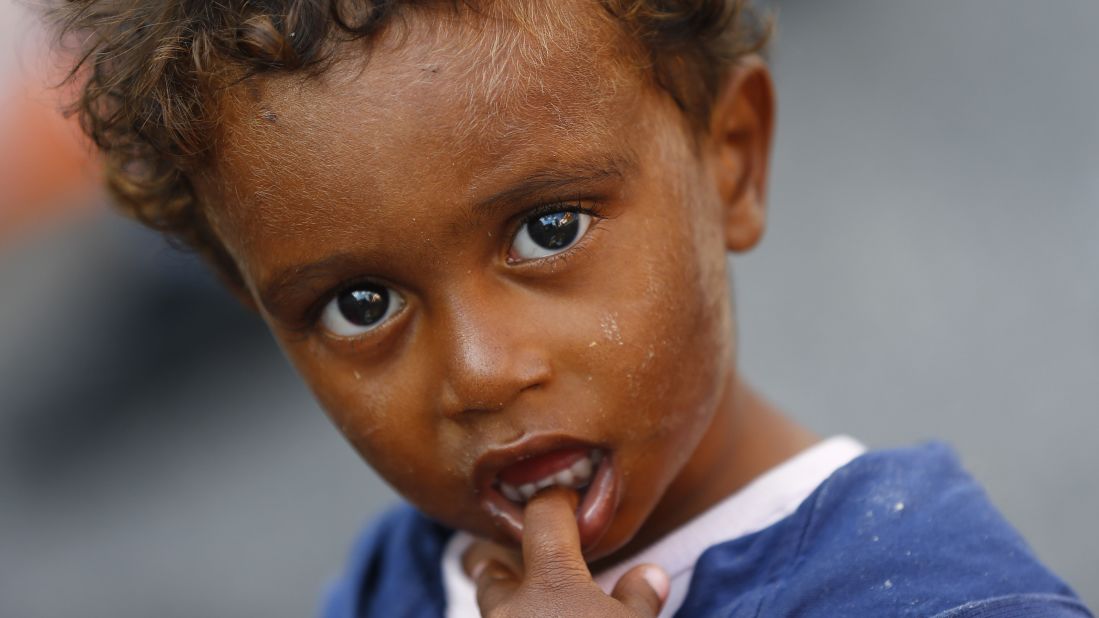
point(490, 352)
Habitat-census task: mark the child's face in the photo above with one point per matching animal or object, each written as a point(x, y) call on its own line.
point(473, 264)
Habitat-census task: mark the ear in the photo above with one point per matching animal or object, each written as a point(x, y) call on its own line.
point(741, 125)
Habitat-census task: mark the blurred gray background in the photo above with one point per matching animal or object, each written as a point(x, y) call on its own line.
point(931, 271)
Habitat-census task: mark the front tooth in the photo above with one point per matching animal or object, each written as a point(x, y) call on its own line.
point(528, 490)
point(564, 478)
point(581, 470)
point(511, 493)
point(544, 483)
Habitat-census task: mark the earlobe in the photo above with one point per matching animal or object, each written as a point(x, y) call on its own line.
point(741, 125)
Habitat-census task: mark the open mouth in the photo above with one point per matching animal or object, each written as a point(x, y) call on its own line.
point(570, 468)
point(520, 476)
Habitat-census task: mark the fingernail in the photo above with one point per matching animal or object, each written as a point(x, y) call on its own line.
point(657, 580)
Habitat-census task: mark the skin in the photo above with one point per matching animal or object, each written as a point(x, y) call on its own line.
point(625, 340)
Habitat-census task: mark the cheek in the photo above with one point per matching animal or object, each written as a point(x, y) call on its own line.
point(381, 413)
point(672, 347)
point(678, 341)
point(668, 345)
point(672, 320)
point(683, 258)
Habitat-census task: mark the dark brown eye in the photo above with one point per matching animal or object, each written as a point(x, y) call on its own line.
point(548, 234)
point(364, 307)
point(360, 308)
point(554, 231)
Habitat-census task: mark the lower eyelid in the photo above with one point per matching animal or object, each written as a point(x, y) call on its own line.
point(371, 341)
point(562, 257)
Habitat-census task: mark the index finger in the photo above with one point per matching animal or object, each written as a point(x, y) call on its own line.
point(551, 540)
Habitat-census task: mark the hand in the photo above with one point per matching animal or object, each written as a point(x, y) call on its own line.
point(551, 578)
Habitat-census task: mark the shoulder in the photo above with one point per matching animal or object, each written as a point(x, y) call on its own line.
point(1020, 606)
point(393, 570)
point(899, 532)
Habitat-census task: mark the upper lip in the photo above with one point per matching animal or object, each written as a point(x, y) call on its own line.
point(490, 463)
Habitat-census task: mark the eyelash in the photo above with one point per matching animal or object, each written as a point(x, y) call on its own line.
point(548, 209)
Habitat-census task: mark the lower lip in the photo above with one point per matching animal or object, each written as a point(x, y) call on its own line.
point(593, 513)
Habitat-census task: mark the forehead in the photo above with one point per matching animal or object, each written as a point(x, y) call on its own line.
point(438, 108)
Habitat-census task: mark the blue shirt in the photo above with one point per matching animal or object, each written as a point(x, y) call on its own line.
point(894, 533)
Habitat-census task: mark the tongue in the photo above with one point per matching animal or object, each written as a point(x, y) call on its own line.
point(539, 467)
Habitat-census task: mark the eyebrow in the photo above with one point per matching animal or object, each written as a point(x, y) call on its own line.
point(292, 279)
point(545, 180)
point(555, 178)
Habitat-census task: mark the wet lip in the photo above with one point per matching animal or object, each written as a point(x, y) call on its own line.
point(598, 500)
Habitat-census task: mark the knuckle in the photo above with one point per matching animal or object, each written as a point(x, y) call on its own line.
point(556, 573)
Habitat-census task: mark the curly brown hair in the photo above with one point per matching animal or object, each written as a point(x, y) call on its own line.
point(148, 71)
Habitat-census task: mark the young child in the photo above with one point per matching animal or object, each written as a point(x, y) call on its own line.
point(492, 237)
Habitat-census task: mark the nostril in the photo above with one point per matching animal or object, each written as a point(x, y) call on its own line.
point(455, 405)
point(484, 406)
